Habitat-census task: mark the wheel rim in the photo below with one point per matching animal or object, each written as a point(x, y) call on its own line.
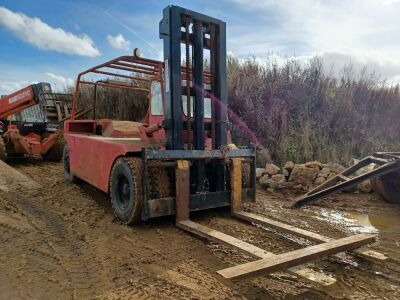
point(123, 191)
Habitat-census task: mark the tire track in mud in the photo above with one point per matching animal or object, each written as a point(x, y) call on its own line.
point(66, 260)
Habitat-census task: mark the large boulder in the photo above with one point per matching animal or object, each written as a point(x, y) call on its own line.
point(325, 172)
point(289, 166)
point(301, 174)
point(319, 181)
point(365, 186)
point(364, 170)
point(314, 164)
point(259, 172)
point(278, 178)
point(335, 168)
point(272, 169)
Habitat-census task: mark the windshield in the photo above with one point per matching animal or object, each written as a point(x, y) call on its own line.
point(31, 115)
point(156, 99)
point(207, 102)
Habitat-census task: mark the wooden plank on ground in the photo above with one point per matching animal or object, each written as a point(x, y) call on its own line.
point(293, 258)
point(249, 217)
point(249, 249)
point(220, 237)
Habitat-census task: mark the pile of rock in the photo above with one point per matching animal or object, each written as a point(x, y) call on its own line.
point(301, 177)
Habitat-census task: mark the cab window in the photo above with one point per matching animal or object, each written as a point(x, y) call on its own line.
point(156, 99)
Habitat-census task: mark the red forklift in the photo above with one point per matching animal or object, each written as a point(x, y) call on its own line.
point(31, 122)
point(180, 157)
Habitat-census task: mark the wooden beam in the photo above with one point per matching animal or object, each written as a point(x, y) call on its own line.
point(236, 185)
point(182, 190)
point(249, 217)
point(249, 249)
point(220, 237)
point(293, 258)
point(252, 218)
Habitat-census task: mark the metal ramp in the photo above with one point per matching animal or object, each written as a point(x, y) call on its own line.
point(386, 162)
point(266, 262)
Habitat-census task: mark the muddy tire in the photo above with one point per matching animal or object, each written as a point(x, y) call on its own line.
point(66, 163)
point(388, 187)
point(3, 150)
point(56, 152)
point(126, 189)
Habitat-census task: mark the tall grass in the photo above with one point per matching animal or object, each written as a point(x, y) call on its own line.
point(301, 112)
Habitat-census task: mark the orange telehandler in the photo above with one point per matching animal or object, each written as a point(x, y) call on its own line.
point(30, 122)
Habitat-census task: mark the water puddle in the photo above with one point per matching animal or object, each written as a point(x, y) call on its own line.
point(351, 222)
point(378, 222)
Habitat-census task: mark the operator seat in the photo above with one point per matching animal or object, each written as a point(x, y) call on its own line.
point(113, 128)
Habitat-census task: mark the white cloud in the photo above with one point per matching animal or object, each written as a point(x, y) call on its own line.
point(8, 87)
point(118, 42)
point(388, 2)
point(362, 32)
point(43, 36)
point(58, 79)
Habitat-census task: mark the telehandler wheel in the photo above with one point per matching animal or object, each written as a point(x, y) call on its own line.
point(55, 153)
point(67, 172)
point(388, 187)
point(3, 150)
point(126, 189)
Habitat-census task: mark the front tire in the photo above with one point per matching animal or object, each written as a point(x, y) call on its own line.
point(67, 168)
point(3, 150)
point(126, 189)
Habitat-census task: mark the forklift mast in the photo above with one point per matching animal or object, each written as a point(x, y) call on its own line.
point(197, 32)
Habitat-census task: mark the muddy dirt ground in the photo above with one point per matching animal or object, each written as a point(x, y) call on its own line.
point(61, 242)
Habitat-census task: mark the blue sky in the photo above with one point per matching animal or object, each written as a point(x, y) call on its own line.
point(52, 41)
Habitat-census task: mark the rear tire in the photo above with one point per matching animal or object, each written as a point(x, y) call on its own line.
point(126, 189)
point(66, 163)
point(3, 150)
point(388, 187)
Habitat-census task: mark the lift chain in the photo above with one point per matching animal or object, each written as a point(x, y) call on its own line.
point(188, 99)
point(212, 96)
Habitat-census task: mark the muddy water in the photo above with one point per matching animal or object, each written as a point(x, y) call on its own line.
point(366, 279)
point(375, 221)
point(339, 216)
